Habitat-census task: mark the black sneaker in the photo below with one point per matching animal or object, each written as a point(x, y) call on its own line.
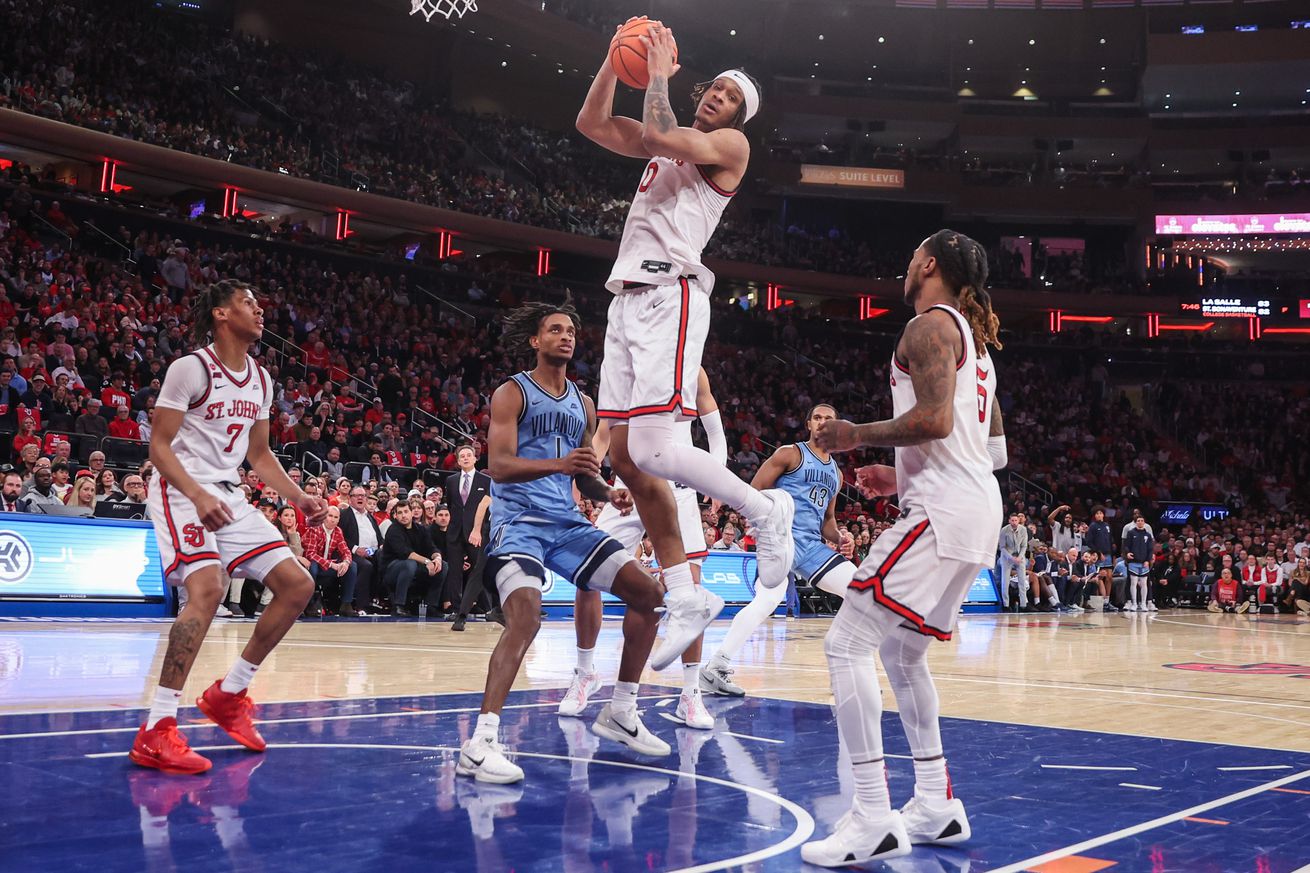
point(459, 623)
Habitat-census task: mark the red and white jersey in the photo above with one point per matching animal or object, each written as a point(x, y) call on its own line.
point(951, 479)
point(221, 407)
point(672, 217)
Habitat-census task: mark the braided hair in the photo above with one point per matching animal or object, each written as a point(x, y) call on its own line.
point(963, 263)
point(525, 322)
point(211, 297)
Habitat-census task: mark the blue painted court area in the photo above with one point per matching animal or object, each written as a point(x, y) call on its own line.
point(359, 785)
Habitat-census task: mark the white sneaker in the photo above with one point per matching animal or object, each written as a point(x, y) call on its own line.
point(1303, 607)
point(945, 827)
point(626, 728)
point(222, 612)
point(718, 680)
point(690, 611)
point(1075, 609)
point(858, 839)
point(484, 759)
point(691, 711)
point(775, 549)
point(1151, 607)
point(580, 689)
point(1130, 607)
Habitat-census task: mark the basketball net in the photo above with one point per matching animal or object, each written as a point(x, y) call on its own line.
point(446, 8)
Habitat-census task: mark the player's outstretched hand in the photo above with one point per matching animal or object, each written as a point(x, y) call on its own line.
point(659, 47)
point(213, 513)
point(836, 435)
point(876, 480)
point(315, 509)
point(846, 545)
point(581, 461)
point(621, 499)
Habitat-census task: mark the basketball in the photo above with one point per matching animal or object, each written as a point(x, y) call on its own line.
point(628, 55)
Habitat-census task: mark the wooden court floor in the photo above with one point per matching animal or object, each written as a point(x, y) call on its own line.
point(1183, 675)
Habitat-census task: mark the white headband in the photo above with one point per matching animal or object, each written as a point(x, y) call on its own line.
point(749, 92)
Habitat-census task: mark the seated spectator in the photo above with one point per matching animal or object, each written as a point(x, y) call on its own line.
point(332, 564)
point(10, 496)
point(406, 549)
point(27, 435)
point(134, 490)
point(1228, 594)
point(62, 478)
point(107, 486)
point(1298, 585)
point(1271, 588)
point(123, 427)
point(40, 492)
point(83, 494)
point(727, 542)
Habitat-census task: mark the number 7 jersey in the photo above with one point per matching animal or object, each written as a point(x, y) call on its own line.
point(220, 407)
point(951, 478)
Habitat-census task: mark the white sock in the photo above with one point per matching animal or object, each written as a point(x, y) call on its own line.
point(678, 577)
point(749, 618)
point(488, 725)
point(163, 706)
point(625, 697)
point(720, 660)
point(586, 660)
point(931, 781)
point(690, 678)
point(651, 445)
point(239, 677)
point(871, 788)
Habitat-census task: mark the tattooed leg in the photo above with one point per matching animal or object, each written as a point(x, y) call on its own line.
point(204, 590)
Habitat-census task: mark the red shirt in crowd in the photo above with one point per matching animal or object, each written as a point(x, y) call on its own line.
point(113, 397)
point(314, 541)
point(124, 429)
point(1226, 591)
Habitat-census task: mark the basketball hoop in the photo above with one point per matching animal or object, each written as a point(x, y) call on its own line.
point(446, 8)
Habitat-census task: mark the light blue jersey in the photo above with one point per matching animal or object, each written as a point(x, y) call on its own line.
point(549, 427)
point(536, 524)
point(812, 485)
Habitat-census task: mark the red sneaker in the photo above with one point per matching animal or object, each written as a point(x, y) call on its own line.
point(163, 748)
point(234, 713)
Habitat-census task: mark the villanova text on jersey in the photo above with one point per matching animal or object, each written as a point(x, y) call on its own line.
point(549, 427)
point(813, 485)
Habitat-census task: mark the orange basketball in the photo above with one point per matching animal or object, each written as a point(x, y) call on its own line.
point(628, 55)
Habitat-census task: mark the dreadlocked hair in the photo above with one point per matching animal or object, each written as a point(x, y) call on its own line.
point(525, 322)
point(963, 263)
point(739, 120)
point(211, 297)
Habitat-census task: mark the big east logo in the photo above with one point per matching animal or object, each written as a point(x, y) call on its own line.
point(1295, 671)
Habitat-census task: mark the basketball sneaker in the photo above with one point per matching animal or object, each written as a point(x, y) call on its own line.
point(626, 728)
point(775, 548)
point(484, 759)
point(688, 612)
point(580, 689)
point(718, 680)
point(1151, 607)
point(691, 711)
point(945, 827)
point(234, 713)
point(857, 839)
point(164, 748)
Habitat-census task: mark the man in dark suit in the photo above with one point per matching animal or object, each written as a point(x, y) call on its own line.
point(364, 538)
point(468, 494)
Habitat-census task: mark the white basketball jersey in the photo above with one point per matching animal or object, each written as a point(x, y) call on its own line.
point(220, 409)
point(951, 478)
point(672, 217)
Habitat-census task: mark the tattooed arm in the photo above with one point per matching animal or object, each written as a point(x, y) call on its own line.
point(931, 345)
point(660, 134)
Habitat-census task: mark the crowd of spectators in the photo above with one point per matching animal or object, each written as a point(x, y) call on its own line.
point(141, 73)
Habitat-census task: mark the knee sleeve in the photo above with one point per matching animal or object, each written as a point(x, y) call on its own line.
point(650, 445)
point(837, 580)
point(905, 658)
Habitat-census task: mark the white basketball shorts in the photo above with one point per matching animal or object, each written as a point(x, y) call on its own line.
point(904, 574)
point(627, 529)
point(654, 340)
point(248, 546)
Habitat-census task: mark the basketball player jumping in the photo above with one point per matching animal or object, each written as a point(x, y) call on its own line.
point(659, 318)
point(539, 446)
point(810, 476)
point(626, 527)
point(212, 412)
point(948, 437)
